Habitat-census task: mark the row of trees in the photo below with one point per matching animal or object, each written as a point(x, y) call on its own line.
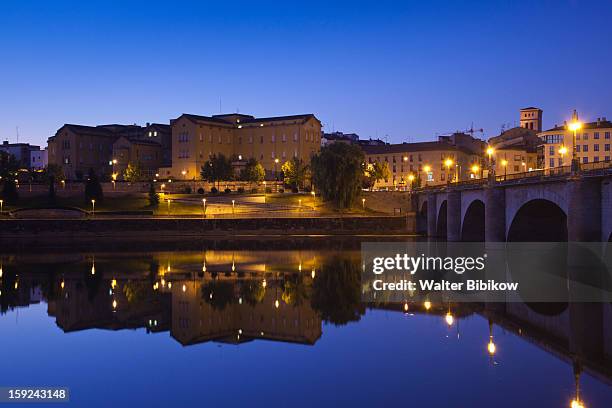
point(219, 168)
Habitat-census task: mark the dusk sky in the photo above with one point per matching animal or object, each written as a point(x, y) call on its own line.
point(406, 70)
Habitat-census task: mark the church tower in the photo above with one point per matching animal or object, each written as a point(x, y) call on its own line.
point(531, 118)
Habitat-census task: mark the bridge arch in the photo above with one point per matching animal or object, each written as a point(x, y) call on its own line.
point(538, 220)
point(473, 224)
point(441, 220)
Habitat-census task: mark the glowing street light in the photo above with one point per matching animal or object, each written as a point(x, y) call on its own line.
point(574, 127)
point(1, 206)
point(275, 173)
point(363, 203)
point(562, 152)
point(426, 170)
point(448, 163)
point(504, 163)
point(411, 180)
point(427, 305)
point(475, 169)
point(233, 207)
point(93, 207)
point(169, 206)
point(204, 206)
point(313, 199)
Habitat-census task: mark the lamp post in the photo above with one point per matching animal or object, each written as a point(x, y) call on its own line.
point(448, 163)
point(265, 187)
point(169, 207)
point(490, 152)
point(410, 180)
point(504, 163)
point(574, 127)
point(475, 169)
point(363, 203)
point(93, 207)
point(426, 170)
point(562, 152)
point(313, 200)
point(275, 173)
point(204, 207)
point(1, 206)
point(233, 207)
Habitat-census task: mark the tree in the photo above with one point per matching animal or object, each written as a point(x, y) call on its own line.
point(379, 171)
point(295, 172)
point(337, 173)
point(153, 196)
point(93, 189)
point(253, 172)
point(8, 174)
point(132, 173)
point(217, 169)
point(53, 173)
point(9, 190)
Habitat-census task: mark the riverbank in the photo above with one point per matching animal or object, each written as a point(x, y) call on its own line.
point(151, 228)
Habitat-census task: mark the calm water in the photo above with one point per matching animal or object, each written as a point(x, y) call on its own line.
point(240, 327)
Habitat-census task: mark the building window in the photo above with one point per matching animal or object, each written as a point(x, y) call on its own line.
point(551, 150)
point(596, 135)
point(585, 159)
point(607, 147)
point(551, 163)
point(430, 176)
point(585, 148)
point(596, 148)
point(596, 158)
point(585, 136)
point(607, 135)
point(273, 139)
point(284, 139)
point(607, 158)
point(295, 137)
point(578, 148)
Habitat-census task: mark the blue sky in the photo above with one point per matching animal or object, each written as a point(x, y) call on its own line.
point(402, 70)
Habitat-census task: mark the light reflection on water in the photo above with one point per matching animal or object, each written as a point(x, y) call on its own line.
point(237, 327)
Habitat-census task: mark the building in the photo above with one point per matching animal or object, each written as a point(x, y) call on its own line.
point(271, 141)
point(162, 134)
point(78, 148)
point(21, 152)
point(592, 143)
point(38, 159)
point(452, 158)
point(516, 149)
point(146, 152)
point(531, 118)
point(339, 137)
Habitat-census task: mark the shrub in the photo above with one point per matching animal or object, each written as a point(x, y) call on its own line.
point(93, 189)
point(200, 190)
point(153, 196)
point(228, 190)
point(241, 190)
point(214, 190)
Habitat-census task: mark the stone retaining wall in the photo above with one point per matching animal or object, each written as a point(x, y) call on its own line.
point(122, 227)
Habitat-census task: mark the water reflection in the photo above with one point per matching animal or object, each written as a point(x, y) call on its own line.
point(227, 296)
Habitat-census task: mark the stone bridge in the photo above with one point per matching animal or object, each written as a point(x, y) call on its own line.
point(573, 208)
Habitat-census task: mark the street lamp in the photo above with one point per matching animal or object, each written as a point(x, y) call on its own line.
point(504, 163)
point(169, 207)
point(448, 163)
point(275, 173)
point(475, 169)
point(313, 199)
point(204, 207)
point(183, 173)
point(426, 170)
point(562, 152)
point(363, 203)
point(233, 207)
point(265, 184)
point(93, 207)
point(490, 152)
point(411, 180)
point(1, 206)
point(574, 127)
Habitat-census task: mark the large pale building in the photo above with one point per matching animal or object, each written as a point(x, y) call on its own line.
point(452, 158)
point(271, 141)
point(78, 148)
point(593, 143)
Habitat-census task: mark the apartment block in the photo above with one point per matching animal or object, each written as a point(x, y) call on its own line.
point(271, 141)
